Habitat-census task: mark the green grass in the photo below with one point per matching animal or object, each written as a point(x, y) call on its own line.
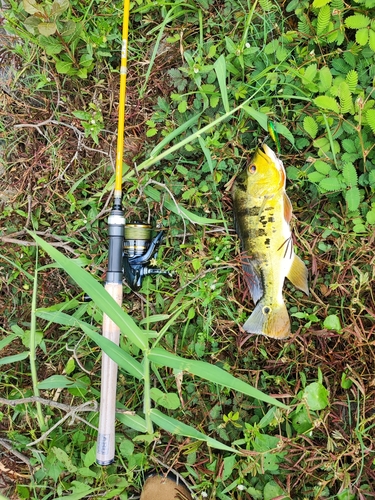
point(238, 417)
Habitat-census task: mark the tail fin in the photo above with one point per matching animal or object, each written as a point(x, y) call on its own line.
point(272, 321)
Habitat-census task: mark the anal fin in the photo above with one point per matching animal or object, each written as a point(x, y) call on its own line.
point(298, 274)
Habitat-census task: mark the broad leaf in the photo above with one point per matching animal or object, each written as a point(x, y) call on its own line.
point(47, 29)
point(316, 396)
point(61, 382)
point(32, 7)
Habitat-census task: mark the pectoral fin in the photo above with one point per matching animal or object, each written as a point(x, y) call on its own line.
point(298, 274)
point(288, 210)
point(253, 280)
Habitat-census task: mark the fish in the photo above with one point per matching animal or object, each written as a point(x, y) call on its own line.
point(262, 215)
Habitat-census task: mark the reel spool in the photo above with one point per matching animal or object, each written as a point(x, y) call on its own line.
point(140, 250)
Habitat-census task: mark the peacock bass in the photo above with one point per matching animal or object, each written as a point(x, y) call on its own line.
point(262, 212)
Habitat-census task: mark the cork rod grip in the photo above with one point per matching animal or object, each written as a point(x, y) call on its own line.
point(106, 437)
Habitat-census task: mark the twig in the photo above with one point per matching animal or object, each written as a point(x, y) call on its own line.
point(72, 414)
point(78, 132)
point(47, 402)
point(75, 355)
point(6, 444)
point(80, 140)
point(6, 239)
point(10, 238)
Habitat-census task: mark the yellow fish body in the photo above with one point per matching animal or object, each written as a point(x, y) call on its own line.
point(262, 212)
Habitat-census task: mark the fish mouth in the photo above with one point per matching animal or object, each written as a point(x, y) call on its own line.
point(272, 155)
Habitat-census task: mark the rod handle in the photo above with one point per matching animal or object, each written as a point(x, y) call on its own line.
point(105, 451)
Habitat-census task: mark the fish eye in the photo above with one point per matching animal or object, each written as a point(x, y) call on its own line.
point(252, 169)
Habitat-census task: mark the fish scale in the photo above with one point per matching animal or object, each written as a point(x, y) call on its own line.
point(262, 213)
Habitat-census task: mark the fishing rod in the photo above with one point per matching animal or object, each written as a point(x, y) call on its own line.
point(132, 252)
point(116, 227)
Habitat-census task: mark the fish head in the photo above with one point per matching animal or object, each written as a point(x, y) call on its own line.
point(265, 174)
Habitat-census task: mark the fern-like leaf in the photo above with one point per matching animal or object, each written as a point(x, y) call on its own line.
point(324, 17)
point(353, 198)
point(320, 3)
point(327, 102)
point(341, 66)
point(271, 47)
point(370, 217)
point(349, 146)
point(304, 27)
point(333, 35)
point(337, 5)
point(352, 80)
point(330, 184)
point(357, 21)
point(370, 117)
point(325, 78)
point(345, 97)
point(310, 126)
point(354, 48)
point(266, 5)
point(350, 58)
point(371, 40)
point(361, 36)
point(350, 174)
point(322, 167)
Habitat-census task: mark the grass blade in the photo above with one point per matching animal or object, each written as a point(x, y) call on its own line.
point(14, 358)
point(210, 372)
point(97, 293)
point(175, 133)
point(122, 358)
point(260, 117)
point(133, 421)
point(152, 160)
point(220, 67)
point(7, 340)
point(177, 427)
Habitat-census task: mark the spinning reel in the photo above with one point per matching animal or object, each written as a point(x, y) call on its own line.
point(140, 250)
